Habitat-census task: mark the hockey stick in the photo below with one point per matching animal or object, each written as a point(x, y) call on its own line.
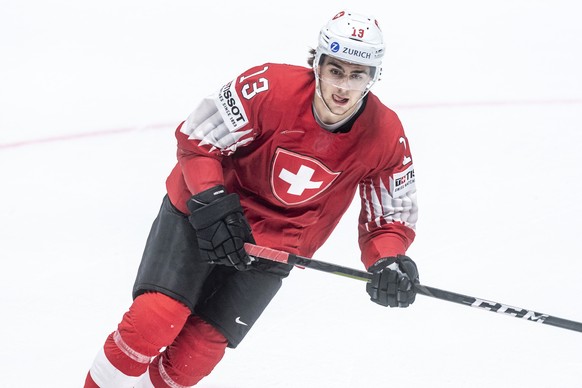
point(518, 312)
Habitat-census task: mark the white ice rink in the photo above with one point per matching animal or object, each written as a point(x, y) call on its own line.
point(490, 94)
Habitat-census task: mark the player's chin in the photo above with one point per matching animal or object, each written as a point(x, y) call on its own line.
point(340, 109)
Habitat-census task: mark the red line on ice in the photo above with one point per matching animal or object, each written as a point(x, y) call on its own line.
point(433, 105)
point(81, 135)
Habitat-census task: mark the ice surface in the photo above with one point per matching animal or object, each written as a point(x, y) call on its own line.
point(490, 95)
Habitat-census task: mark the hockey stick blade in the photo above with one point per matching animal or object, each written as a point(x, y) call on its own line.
point(517, 312)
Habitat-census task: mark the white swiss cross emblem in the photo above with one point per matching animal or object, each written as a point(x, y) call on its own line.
point(296, 178)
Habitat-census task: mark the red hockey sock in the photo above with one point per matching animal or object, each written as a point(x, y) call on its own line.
point(89, 383)
point(152, 322)
point(192, 356)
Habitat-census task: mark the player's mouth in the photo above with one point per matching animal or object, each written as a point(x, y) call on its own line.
point(339, 100)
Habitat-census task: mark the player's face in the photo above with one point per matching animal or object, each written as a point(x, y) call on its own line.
point(341, 85)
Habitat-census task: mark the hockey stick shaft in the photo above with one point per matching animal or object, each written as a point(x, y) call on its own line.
point(289, 258)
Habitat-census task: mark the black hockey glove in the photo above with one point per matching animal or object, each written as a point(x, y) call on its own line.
point(392, 283)
point(221, 227)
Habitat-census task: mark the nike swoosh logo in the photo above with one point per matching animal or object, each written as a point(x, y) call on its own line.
point(237, 320)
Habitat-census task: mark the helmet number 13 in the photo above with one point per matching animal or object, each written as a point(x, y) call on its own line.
point(357, 32)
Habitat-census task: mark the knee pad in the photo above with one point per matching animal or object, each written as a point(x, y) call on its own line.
point(152, 322)
point(202, 342)
point(192, 356)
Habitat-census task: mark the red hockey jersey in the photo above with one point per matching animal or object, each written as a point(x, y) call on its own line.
point(258, 136)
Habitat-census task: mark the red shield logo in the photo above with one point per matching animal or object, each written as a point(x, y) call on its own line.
point(296, 179)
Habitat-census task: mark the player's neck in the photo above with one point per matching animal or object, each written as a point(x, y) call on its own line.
point(337, 125)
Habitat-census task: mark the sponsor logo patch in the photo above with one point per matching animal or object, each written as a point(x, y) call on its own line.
point(231, 108)
point(402, 182)
point(357, 53)
point(334, 47)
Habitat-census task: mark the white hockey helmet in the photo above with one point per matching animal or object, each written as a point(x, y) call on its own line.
point(353, 38)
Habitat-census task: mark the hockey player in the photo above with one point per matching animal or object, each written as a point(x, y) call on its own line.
point(274, 157)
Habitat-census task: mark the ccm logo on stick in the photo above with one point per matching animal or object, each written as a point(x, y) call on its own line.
point(509, 310)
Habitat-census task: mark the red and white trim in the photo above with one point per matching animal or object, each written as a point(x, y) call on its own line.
point(128, 351)
point(105, 375)
point(380, 208)
point(166, 377)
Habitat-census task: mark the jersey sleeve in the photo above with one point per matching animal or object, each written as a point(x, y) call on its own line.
point(389, 211)
point(218, 126)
